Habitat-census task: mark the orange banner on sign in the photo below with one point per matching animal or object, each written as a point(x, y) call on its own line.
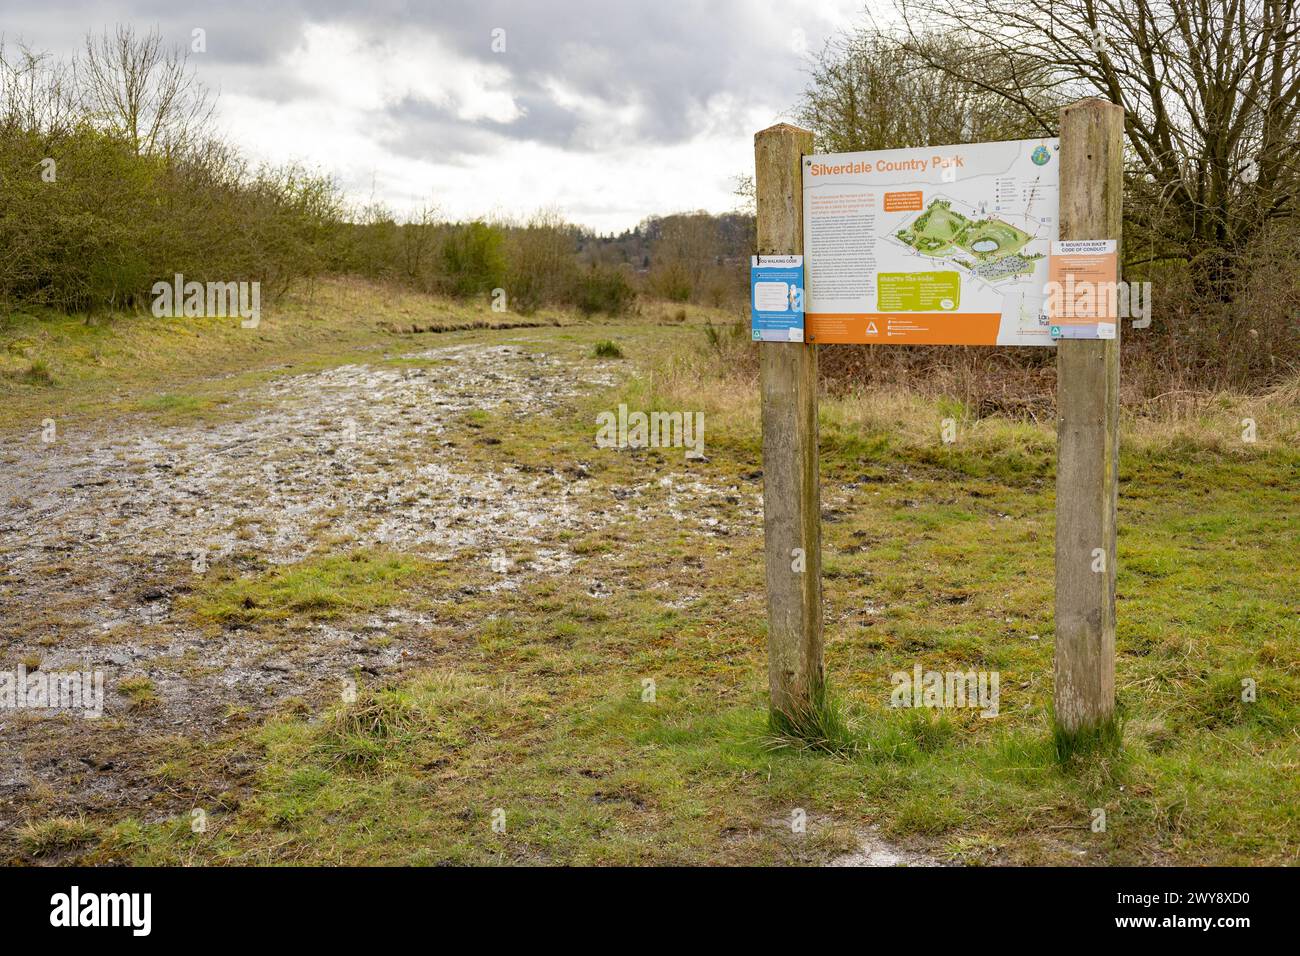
point(902, 328)
point(904, 202)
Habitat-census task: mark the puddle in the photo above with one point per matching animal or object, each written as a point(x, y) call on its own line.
point(875, 850)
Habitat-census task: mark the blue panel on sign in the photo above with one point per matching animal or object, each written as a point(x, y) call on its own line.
point(776, 298)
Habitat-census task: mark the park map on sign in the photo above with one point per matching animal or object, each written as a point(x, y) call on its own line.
point(943, 245)
point(989, 249)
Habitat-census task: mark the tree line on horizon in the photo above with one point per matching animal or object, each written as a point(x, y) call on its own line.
point(112, 179)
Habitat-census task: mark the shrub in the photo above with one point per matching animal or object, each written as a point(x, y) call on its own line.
point(473, 259)
point(91, 217)
point(603, 289)
point(672, 282)
point(543, 263)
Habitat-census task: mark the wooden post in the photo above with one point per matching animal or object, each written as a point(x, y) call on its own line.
point(1087, 463)
point(791, 493)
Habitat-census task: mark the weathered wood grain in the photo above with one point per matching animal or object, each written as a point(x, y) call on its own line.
point(1087, 400)
point(791, 491)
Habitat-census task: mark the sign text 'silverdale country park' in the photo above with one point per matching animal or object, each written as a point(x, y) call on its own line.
point(944, 245)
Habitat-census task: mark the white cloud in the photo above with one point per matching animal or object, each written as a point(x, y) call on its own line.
point(610, 113)
point(355, 72)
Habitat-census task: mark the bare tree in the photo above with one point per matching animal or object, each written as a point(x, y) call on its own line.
point(36, 93)
point(418, 240)
point(1211, 89)
point(684, 244)
point(143, 91)
point(872, 90)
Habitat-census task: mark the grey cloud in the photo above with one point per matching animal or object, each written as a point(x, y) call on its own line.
point(665, 58)
point(430, 131)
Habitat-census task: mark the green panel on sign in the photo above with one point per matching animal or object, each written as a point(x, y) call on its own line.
point(918, 291)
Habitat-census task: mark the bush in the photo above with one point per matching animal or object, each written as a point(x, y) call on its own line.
point(90, 218)
point(603, 289)
point(473, 259)
point(1199, 341)
point(543, 262)
point(672, 282)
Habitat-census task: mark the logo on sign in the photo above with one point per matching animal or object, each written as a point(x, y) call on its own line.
point(1040, 156)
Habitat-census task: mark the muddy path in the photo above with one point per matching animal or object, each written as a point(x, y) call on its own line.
point(106, 527)
point(105, 530)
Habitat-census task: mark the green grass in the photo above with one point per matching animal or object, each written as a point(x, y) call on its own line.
point(1105, 739)
point(320, 588)
point(937, 554)
point(175, 407)
point(542, 714)
point(139, 690)
point(817, 724)
point(37, 373)
point(54, 835)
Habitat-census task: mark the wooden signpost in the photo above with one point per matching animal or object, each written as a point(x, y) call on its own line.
point(791, 488)
point(1087, 437)
point(1091, 167)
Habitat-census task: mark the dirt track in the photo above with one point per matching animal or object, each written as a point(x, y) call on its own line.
point(107, 527)
point(104, 529)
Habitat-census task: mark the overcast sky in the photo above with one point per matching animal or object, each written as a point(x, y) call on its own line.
point(608, 110)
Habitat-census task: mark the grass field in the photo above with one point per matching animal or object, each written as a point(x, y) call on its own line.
point(112, 363)
point(611, 708)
